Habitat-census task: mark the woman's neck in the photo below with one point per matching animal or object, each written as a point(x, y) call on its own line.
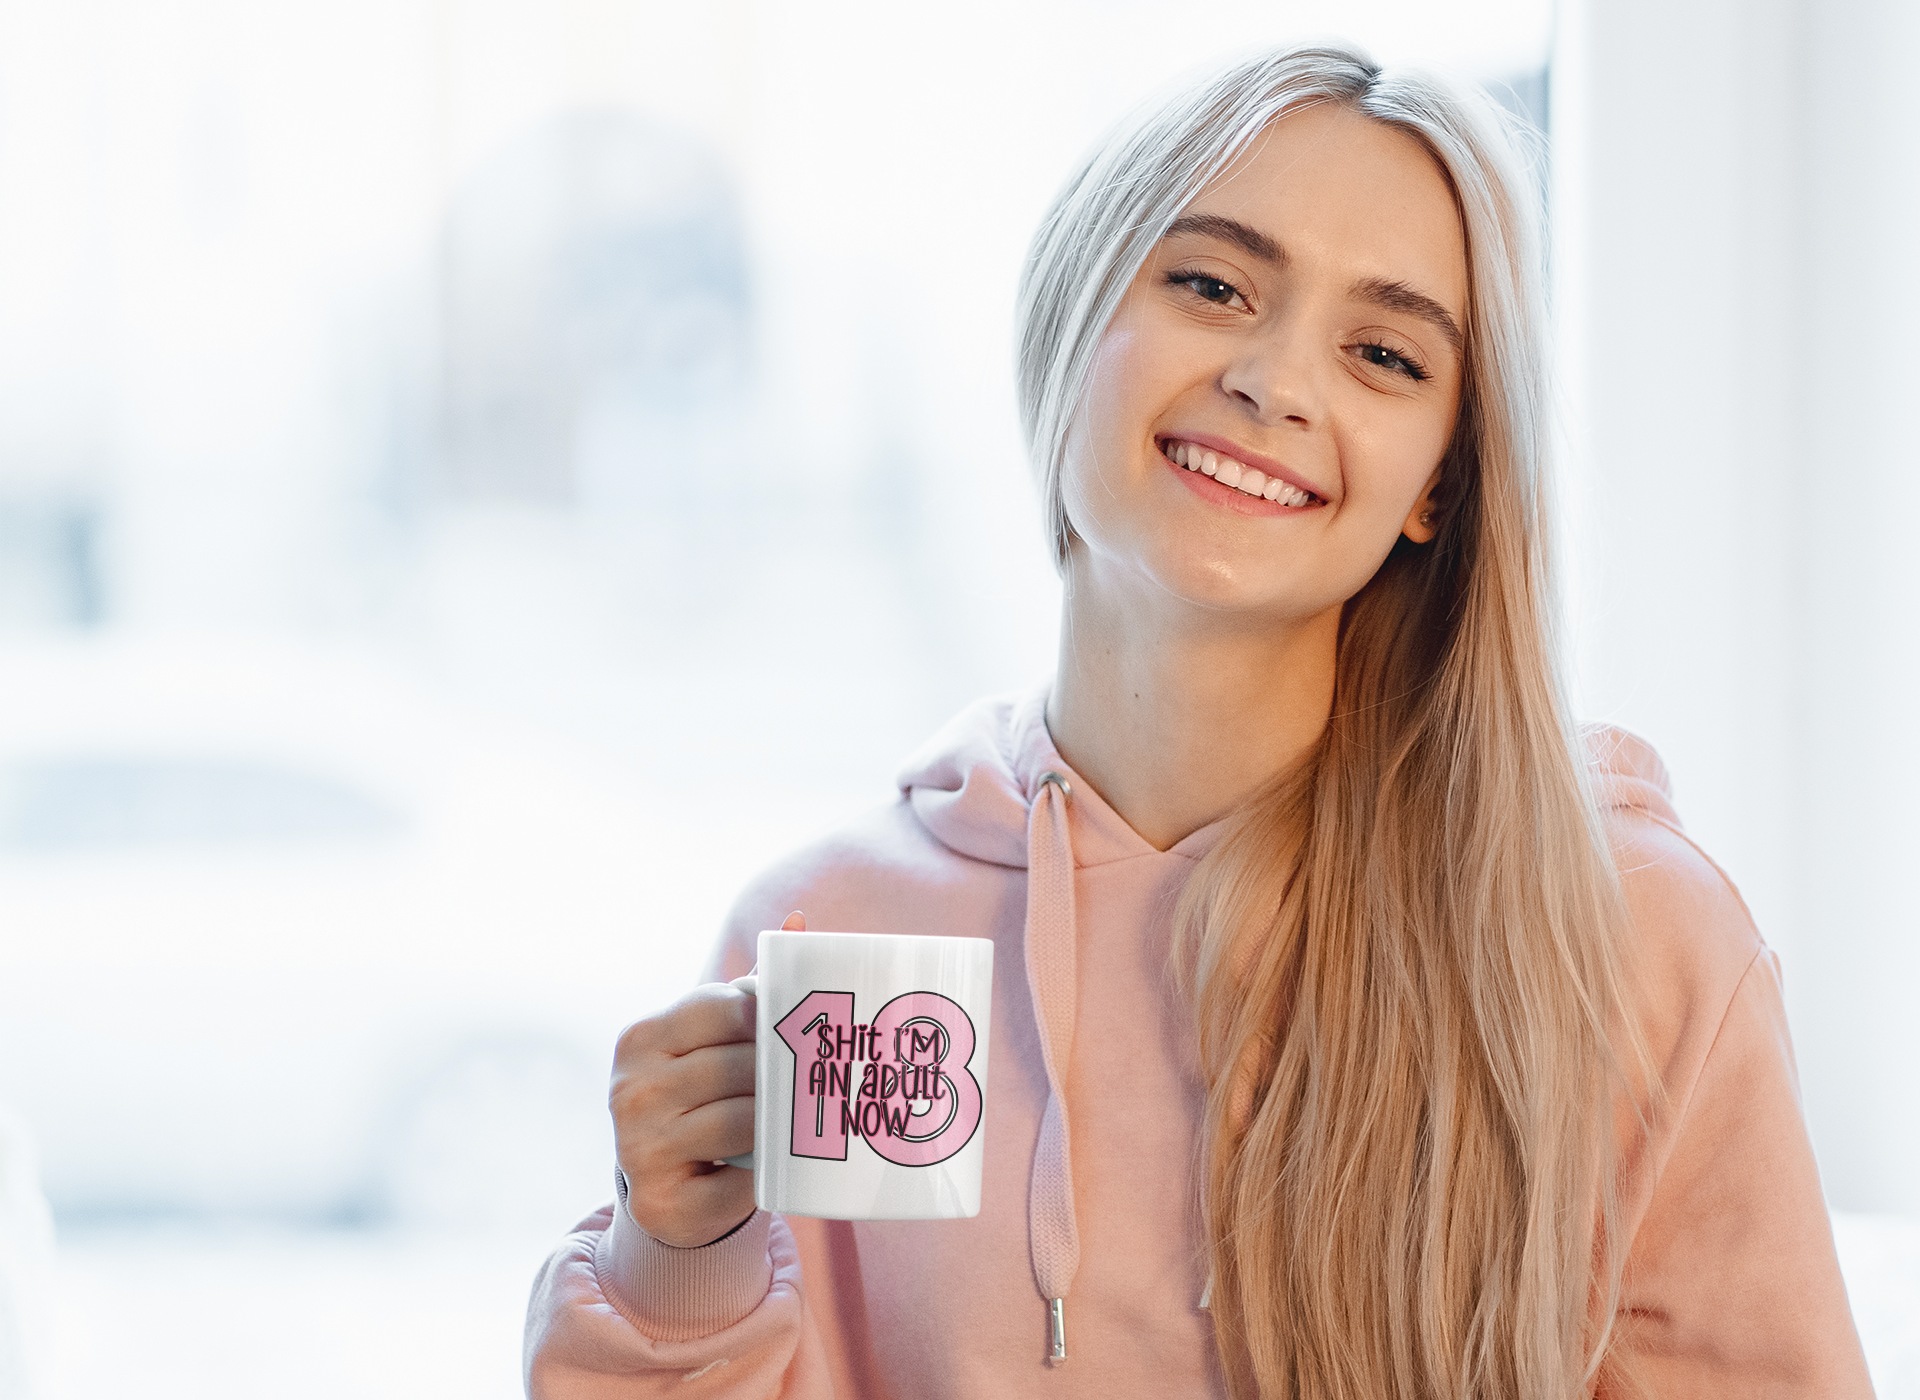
point(1177, 714)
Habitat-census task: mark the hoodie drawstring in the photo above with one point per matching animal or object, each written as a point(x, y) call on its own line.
point(1053, 1232)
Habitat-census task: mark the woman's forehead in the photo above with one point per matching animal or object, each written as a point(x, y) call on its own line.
point(1335, 190)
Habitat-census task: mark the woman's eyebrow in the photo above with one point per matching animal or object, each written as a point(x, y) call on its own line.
point(1242, 236)
point(1398, 296)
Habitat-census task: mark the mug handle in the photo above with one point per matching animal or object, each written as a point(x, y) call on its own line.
point(750, 984)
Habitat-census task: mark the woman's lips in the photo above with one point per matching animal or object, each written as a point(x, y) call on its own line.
point(1225, 477)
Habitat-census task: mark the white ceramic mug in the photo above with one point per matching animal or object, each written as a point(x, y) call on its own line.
point(870, 1075)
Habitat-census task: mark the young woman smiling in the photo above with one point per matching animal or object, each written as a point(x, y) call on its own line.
point(1361, 1028)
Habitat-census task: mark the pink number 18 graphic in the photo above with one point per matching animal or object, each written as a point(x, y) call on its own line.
point(900, 1081)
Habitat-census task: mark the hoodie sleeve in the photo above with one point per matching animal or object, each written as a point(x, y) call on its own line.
point(615, 1315)
point(1733, 1287)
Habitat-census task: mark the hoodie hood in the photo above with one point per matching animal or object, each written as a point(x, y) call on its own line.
point(972, 782)
point(1627, 774)
point(973, 785)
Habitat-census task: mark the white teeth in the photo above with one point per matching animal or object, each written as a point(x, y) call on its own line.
point(1228, 472)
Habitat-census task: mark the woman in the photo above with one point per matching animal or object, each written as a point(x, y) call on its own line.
point(1474, 1080)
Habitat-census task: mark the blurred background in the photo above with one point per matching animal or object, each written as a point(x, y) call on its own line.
point(478, 479)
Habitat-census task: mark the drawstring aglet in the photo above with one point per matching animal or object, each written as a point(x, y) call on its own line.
point(1057, 1316)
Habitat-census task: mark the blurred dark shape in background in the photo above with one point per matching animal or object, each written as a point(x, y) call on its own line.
point(596, 319)
point(50, 566)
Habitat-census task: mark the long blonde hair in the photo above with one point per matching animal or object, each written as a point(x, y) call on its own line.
point(1407, 1018)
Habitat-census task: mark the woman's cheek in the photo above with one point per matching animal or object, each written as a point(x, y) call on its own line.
point(1107, 430)
point(1400, 461)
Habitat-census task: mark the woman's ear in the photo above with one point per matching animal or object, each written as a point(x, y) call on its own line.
point(1423, 520)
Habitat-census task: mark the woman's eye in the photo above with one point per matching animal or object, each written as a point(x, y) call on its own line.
point(1210, 289)
point(1383, 358)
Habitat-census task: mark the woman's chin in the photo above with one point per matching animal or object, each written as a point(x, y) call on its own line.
point(1216, 593)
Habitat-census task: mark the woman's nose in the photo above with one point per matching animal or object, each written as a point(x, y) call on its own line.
point(1276, 376)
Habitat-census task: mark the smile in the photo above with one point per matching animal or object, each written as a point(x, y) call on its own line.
point(1225, 470)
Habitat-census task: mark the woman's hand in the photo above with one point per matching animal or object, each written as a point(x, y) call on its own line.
point(682, 1100)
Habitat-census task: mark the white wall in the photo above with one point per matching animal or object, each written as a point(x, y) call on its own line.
point(1736, 185)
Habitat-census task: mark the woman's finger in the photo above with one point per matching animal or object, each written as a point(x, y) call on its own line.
point(660, 1163)
point(705, 1075)
point(712, 1014)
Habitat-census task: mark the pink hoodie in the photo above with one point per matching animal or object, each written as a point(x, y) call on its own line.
point(1094, 1100)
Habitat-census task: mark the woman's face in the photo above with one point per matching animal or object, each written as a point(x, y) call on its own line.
point(1301, 321)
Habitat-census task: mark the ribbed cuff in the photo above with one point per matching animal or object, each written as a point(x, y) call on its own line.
point(676, 1295)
